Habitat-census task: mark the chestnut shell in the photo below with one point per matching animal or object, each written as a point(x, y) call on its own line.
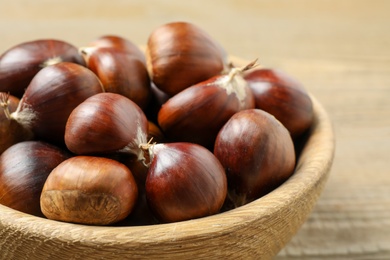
point(11, 132)
point(119, 43)
point(257, 153)
point(89, 190)
point(104, 123)
point(21, 63)
point(197, 113)
point(180, 54)
point(282, 96)
point(184, 181)
point(122, 73)
point(52, 95)
point(24, 168)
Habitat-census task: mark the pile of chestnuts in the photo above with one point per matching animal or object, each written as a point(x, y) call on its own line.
point(110, 134)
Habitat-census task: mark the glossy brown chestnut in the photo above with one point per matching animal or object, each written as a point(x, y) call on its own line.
point(119, 43)
point(184, 181)
point(19, 64)
point(104, 123)
point(11, 132)
point(257, 153)
point(24, 168)
point(89, 190)
point(197, 113)
point(120, 72)
point(180, 54)
point(51, 96)
point(282, 96)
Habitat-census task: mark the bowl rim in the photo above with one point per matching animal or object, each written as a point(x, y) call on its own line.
point(317, 161)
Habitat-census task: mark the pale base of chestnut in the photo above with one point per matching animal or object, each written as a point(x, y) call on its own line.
point(258, 230)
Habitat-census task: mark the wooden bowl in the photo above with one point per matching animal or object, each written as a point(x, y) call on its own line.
point(258, 230)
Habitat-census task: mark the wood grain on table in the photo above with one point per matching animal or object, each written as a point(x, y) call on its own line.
point(340, 50)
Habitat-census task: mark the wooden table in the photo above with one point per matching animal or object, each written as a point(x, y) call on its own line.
point(340, 50)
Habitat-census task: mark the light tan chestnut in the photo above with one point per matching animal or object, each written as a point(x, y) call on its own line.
point(180, 54)
point(89, 190)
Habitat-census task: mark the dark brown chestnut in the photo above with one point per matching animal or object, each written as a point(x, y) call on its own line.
point(257, 153)
point(180, 54)
point(197, 113)
point(19, 64)
point(89, 190)
point(105, 123)
point(24, 168)
point(184, 181)
point(120, 72)
point(51, 96)
point(282, 96)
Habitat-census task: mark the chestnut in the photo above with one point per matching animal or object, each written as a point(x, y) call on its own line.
point(50, 98)
point(11, 132)
point(257, 153)
point(106, 123)
point(180, 54)
point(24, 168)
point(118, 43)
point(197, 113)
point(89, 190)
point(120, 72)
point(184, 181)
point(282, 96)
point(19, 64)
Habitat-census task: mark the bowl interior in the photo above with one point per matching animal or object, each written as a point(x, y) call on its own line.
point(259, 229)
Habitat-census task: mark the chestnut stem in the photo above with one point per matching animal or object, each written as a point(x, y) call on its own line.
point(251, 65)
point(4, 102)
point(234, 71)
point(147, 147)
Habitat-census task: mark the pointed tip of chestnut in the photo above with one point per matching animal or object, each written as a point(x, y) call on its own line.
point(197, 113)
point(106, 122)
point(52, 95)
point(11, 131)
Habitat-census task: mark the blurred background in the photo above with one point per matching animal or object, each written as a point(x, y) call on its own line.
point(340, 50)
